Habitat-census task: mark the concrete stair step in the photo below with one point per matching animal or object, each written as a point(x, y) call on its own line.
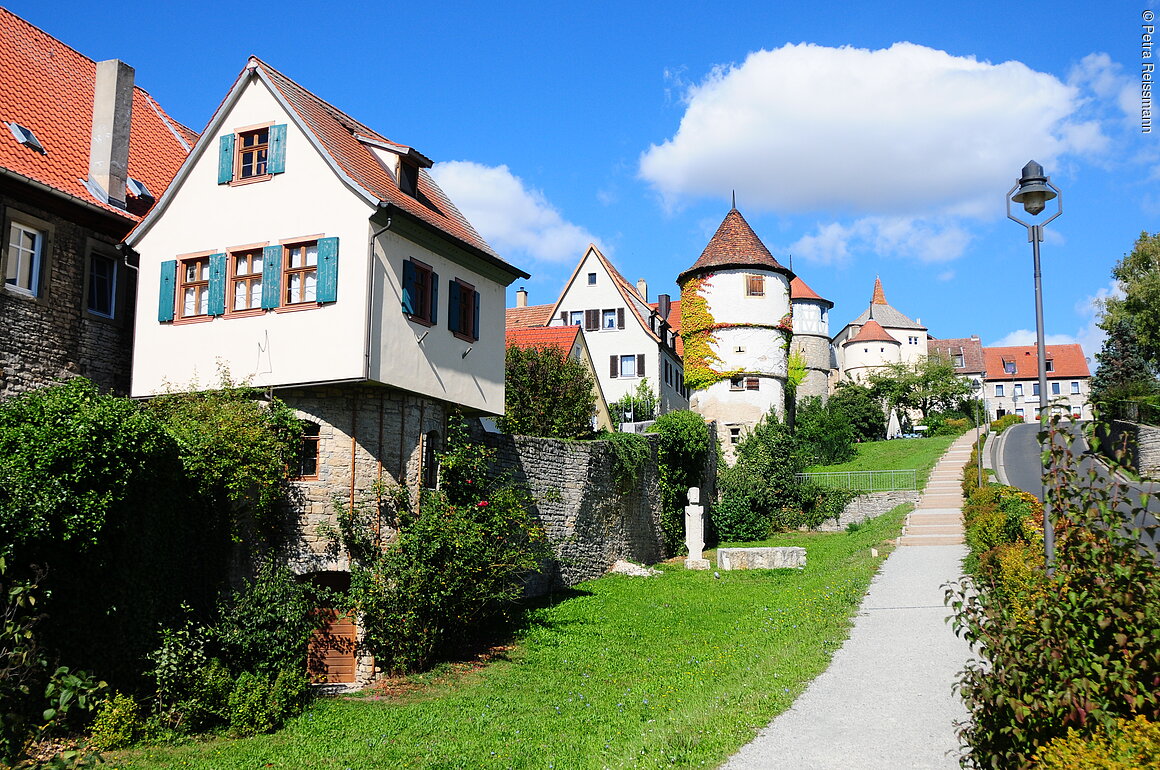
point(921, 540)
point(933, 529)
point(918, 517)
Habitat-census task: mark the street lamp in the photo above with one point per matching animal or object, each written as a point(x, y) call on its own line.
point(977, 386)
point(1033, 191)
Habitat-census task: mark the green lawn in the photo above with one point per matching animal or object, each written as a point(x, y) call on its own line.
point(920, 454)
point(678, 670)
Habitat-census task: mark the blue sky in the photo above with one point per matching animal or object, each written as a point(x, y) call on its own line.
point(874, 139)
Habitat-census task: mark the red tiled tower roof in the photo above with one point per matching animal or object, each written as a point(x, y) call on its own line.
point(734, 245)
point(879, 296)
point(47, 87)
point(872, 331)
point(799, 290)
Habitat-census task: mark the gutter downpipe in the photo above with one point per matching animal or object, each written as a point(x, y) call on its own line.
point(383, 205)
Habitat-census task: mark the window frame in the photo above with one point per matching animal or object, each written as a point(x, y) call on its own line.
point(1056, 388)
point(101, 250)
point(957, 359)
point(1049, 365)
point(628, 357)
point(754, 285)
point(576, 318)
point(1017, 389)
point(608, 320)
point(232, 278)
point(285, 272)
point(309, 447)
point(999, 390)
point(425, 293)
point(1075, 391)
point(592, 279)
point(467, 313)
point(737, 383)
point(239, 149)
point(180, 284)
point(46, 231)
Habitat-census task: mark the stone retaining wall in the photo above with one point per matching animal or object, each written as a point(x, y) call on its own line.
point(590, 521)
point(1139, 443)
point(868, 506)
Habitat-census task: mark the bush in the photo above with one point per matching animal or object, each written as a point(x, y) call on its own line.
point(682, 453)
point(823, 433)
point(117, 722)
point(262, 702)
point(1128, 744)
point(1005, 422)
point(862, 409)
point(1090, 654)
point(547, 393)
point(641, 405)
point(946, 424)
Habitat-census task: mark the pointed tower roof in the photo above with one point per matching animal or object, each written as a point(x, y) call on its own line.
point(734, 245)
point(872, 331)
point(879, 297)
point(881, 311)
point(799, 290)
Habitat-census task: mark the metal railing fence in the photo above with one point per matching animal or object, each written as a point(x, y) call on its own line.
point(864, 481)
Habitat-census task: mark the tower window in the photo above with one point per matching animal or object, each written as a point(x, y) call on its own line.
point(755, 285)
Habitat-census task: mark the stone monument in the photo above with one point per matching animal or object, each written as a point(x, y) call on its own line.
point(695, 531)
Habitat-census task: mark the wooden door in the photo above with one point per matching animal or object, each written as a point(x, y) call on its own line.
point(331, 654)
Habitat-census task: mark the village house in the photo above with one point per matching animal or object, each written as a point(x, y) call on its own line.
point(881, 335)
point(304, 252)
point(1012, 381)
point(83, 154)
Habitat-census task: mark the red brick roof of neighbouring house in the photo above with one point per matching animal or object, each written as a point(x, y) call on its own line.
point(47, 87)
point(674, 320)
point(968, 347)
point(524, 317)
point(562, 337)
point(1067, 361)
point(872, 331)
point(798, 289)
point(733, 245)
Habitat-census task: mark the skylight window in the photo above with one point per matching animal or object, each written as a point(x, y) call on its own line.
point(138, 189)
point(26, 137)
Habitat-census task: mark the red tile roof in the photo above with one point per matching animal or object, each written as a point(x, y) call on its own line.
point(47, 87)
point(674, 320)
point(879, 296)
point(872, 331)
point(336, 131)
point(799, 290)
point(969, 347)
point(525, 317)
point(562, 337)
point(733, 245)
point(1067, 361)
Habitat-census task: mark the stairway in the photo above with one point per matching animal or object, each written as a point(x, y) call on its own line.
point(938, 517)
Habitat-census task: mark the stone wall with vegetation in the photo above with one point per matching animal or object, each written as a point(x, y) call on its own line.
point(591, 520)
point(868, 506)
point(1140, 444)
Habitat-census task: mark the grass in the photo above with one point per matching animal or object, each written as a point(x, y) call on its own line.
point(920, 454)
point(677, 670)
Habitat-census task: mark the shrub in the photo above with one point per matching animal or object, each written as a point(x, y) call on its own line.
point(683, 450)
point(1092, 653)
point(1127, 744)
point(117, 722)
point(262, 702)
point(547, 393)
point(1005, 422)
point(946, 424)
point(862, 409)
point(641, 405)
point(266, 624)
point(824, 433)
point(631, 452)
point(741, 514)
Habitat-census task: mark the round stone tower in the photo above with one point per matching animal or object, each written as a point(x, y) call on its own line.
point(811, 337)
point(869, 349)
point(736, 324)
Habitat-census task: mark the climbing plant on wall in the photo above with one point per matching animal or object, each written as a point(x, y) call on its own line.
point(697, 328)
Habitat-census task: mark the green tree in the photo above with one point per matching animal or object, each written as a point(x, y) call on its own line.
point(823, 432)
point(682, 452)
point(1123, 371)
point(1138, 274)
point(926, 385)
point(863, 410)
point(548, 393)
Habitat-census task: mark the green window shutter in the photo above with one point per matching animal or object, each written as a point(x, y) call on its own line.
point(217, 284)
point(475, 320)
point(167, 297)
point(226, 159)
point(276, 162)
point(434, 319)
point(271, 277)
point(327, 290)
point(408, 287)
point(453, 306)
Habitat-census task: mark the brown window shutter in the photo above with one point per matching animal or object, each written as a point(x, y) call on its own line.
point(640, 364)
point(752, 383)
point(591, 320)
point(613, 366)
point(620, 318)
point(564, 317)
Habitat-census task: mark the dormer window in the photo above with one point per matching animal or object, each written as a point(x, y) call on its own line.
point(26, 137)
point(409, 177)
point(138, 189)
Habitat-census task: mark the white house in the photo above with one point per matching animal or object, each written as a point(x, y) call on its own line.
point(911, 337)
point(309, 254)
point(629, 338)
point(1012, 381)
point(736, 323)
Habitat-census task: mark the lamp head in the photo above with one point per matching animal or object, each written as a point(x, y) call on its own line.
point(1033, 191)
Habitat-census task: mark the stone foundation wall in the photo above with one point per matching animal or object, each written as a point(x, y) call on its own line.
point(1140, 444)
point(868, 506)
point(589, 520)
point(53, 337)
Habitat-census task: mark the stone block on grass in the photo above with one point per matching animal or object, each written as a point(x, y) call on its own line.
point(761, 558)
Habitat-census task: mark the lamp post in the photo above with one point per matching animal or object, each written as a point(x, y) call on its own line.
point(1033, 191)
point(976, 387)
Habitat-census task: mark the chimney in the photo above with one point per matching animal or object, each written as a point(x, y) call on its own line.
point(522, 297)
point(663, 304)
point(642, 288)
point(112, 112)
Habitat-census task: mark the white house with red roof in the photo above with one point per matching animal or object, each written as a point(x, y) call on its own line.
point(1012, 381)
point(630, 339)
point(84, 152)
point(307, 253)
point(869, 340)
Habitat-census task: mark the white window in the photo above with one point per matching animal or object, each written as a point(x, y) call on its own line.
point(25, 253)
point(1018, 389)
point(998, 391)
point(576, 318)
point(1055, 388)
point(1009, 367)
point(1075, 388)
point(1049, 365)
point(592, 279)
point(628, 366)
point(1035, 388)
point(958, 360)
point(609, 319)
point(1019, 412)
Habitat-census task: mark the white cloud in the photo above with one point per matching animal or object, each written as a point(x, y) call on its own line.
point(515, 219)
point(946, 275)
point(892, 132)
point(1021, 337)
point(902, 237)
point(1089, 335)
point(1105, 80)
